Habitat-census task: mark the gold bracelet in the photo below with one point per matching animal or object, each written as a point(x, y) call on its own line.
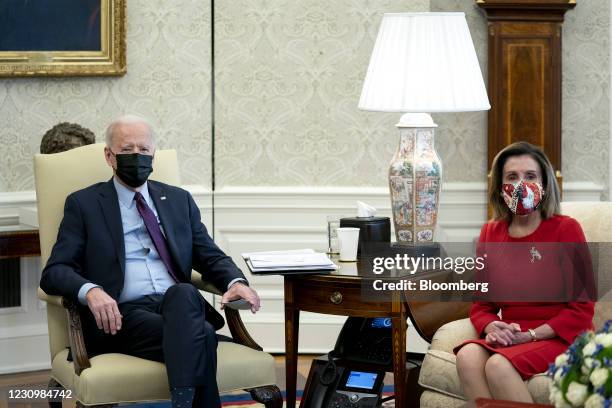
point(533, 335)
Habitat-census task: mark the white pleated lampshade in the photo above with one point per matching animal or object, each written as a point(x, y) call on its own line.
point(424, 62)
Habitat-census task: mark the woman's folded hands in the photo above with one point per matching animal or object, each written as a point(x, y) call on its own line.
point(501, 334)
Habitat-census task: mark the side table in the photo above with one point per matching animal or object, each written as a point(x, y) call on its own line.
point(19, 241)
point(338, 294)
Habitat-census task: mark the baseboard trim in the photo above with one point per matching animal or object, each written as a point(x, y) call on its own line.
point(24, 331)
point(36, 366)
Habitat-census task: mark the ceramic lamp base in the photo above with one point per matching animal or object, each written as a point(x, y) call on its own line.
point(415, 177)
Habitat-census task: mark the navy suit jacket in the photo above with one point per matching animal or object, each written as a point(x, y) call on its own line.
point(90, 245)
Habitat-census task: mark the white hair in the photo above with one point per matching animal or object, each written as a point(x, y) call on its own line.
point(127, 120)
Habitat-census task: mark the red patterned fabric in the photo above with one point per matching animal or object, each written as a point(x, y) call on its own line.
point(567, 319)
point(523, 197)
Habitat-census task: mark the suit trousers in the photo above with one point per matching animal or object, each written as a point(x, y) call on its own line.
point(170, 328)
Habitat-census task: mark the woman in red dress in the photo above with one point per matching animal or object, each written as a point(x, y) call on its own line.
point(519, 339)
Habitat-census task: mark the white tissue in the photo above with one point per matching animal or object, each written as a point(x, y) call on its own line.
point(364, 210)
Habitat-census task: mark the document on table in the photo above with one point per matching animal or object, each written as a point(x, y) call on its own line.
point(294, 260)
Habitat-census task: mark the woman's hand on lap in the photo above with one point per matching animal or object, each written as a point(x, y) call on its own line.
point(499, 333)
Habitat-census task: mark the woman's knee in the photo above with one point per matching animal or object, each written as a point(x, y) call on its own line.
point(497, 368)
point(471, 356)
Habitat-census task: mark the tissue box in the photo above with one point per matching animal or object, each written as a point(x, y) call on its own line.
point(371, 229)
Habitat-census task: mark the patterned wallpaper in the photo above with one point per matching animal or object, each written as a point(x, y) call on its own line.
point(586, 97)
point(168, 82)
point(288, 78)
point(461, 137)
point(288, 81)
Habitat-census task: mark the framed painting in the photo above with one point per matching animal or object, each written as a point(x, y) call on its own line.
point(62, 37)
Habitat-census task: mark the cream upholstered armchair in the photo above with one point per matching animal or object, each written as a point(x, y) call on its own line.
point(438, 373)
point(113, 378)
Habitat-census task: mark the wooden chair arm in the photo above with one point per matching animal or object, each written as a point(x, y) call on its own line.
point(75, 335)
point(75, 330)
point(428, 316)
point(239, 332)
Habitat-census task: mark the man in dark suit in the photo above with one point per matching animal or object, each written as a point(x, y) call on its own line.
point(125, 251)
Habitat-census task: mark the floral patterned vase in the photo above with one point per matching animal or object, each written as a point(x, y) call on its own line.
point(415, 177)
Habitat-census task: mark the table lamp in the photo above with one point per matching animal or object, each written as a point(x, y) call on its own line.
point(421, 63)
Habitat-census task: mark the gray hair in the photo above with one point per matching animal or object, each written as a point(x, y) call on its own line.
point(126, 120)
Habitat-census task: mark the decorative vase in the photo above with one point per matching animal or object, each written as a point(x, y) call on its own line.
point(415, 177)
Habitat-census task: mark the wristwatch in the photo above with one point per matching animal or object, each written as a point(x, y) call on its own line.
point(533, 335)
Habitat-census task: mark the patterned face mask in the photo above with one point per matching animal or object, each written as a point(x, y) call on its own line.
point(523, 197)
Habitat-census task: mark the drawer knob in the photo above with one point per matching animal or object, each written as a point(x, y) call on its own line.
point(336, 298)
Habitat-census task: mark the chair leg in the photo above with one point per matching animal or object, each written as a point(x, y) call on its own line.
point(54, 385)
point(270, 396)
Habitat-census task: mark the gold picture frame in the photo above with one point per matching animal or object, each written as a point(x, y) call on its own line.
point(110, 59)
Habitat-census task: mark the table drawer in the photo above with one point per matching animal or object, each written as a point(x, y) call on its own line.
point(330, 298)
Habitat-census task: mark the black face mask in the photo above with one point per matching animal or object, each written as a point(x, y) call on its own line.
point(134, 168)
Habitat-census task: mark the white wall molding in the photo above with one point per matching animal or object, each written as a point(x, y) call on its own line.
point(582, 191)
point(462, 194)
point(459, 194)
point(16, 199)
point(27, 349)
point(10, 202)
point(23, 331)
point(21, 367)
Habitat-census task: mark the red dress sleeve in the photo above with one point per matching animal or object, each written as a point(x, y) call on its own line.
point(577, 316)
point(483, 313)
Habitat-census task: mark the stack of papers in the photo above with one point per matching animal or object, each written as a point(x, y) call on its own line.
point(288, 261)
